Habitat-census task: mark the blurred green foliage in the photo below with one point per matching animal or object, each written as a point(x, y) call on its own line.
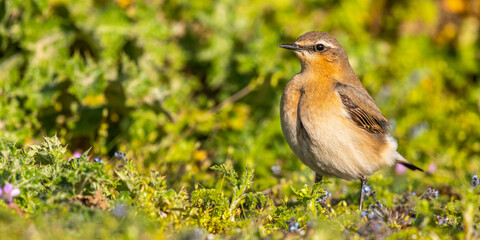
point(181, 86)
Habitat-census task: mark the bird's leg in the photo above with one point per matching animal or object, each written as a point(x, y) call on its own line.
point(318, 178)
point(363, 180)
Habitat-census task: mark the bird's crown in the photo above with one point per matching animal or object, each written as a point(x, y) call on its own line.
point(314, 38)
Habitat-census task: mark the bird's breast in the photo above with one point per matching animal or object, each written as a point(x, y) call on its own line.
point(288, 113)
point(321, 134)
point(294, 132)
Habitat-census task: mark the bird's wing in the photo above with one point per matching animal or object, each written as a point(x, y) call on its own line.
point(362, 109)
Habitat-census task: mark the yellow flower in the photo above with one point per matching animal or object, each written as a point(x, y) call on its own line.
point(200, 155)
point(124, 3)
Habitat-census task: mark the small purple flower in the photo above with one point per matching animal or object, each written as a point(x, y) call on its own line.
point(119, 210)
point(322, 200)
point(430, 194)
point(475, 180)
point(364, 213)
point(327, 194)
point(77, 154)
point(276, 170)
point(292, 224)
point(443, 220)
point(367, 190)
point(8, 192)
point(121, 156)
point(98, 160)
point(294, 227)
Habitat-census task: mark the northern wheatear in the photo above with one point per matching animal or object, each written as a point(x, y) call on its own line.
point(328, 118)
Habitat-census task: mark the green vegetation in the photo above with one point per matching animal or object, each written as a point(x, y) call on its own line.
point(190, 92)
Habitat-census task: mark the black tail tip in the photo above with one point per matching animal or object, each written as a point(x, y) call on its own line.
point(412, 167)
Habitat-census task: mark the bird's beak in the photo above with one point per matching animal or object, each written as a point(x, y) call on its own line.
point(291, 46)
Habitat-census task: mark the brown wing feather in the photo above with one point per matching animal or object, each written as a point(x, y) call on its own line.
point(362, 109)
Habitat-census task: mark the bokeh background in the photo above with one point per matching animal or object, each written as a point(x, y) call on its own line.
point(183, 85)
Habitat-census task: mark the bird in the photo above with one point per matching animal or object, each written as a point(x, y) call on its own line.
point(328, 118)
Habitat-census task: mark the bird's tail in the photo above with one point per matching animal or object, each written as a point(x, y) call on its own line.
point(400, 159)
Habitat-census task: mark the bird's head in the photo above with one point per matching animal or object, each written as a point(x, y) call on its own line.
point(319, 50)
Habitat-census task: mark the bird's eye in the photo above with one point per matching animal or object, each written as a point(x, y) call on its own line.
point(319, 47)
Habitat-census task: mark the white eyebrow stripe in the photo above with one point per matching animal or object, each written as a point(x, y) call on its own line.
point(326, 43)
